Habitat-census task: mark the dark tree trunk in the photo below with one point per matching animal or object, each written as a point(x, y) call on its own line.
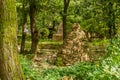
point(52, 29)
point(23, 28)
point(111, 21)
point(34, 31)
point(53, 25)
point(9, 60)
point(114, 26)
point(66, 4)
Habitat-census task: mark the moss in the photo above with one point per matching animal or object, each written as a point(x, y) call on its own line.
point(10, 67)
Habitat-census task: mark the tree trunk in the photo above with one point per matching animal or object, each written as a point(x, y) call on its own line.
point(111, 20)
point(34, 31)
point(9, 60)
point(23, 28)
point(66, 4)
point(53, 25)
point(114, 20)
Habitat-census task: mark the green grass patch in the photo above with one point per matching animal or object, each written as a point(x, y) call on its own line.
point(100, 42)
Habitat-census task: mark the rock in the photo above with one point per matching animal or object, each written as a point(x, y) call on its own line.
point(73, 51)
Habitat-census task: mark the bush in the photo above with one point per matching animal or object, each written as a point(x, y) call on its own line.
point(44, 33)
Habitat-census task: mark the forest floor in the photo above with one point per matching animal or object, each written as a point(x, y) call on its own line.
point(47, 54)
point(46, 57)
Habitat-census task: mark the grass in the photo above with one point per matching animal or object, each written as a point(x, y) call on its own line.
point(80, 71)
point(100, 42)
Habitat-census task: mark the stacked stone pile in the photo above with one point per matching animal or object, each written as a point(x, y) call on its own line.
point(73, 49)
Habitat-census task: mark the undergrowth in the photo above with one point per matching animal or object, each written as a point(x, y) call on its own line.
point(104, 69)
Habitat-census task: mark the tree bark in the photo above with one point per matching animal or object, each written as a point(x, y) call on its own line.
point(111, 20)
point(66, 4)
point(9, 60)
point(23, 28)
point(34, 31)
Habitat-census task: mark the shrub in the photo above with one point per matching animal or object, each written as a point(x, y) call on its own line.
point(44, 33)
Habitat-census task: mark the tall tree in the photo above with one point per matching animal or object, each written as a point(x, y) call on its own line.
point(66, 4)
point(111, 20)
point(34, 30)
point(24, 24)
point(9, 62)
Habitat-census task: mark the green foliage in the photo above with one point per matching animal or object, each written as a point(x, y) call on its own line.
point(44, 33)
point(93, 15)
point(98, 15)
point(29, 72)
point(100, 42)
point(103, 69)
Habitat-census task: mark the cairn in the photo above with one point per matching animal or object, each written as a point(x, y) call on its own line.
point(73, 50)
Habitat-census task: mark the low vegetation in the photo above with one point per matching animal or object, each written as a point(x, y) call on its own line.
point(103, 69)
